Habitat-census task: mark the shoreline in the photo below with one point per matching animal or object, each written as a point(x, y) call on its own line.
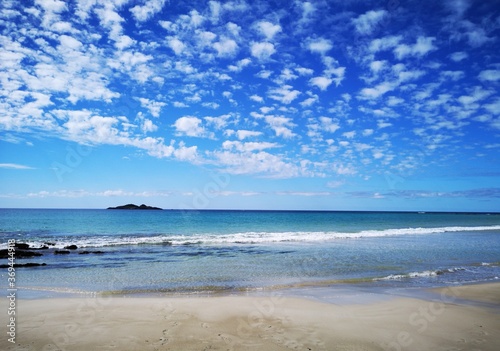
point(452, 317)
point(313, 289)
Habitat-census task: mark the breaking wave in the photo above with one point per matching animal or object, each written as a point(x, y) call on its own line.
point(237, 238)
point(424, 274)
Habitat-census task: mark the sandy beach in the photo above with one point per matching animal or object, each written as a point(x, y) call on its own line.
point(458, 318)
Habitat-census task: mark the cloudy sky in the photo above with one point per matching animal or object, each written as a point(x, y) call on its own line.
point(333, 104)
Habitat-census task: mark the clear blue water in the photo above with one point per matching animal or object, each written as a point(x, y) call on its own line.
point(194, 251)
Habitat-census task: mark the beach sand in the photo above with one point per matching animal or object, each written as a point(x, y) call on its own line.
point(274, 322)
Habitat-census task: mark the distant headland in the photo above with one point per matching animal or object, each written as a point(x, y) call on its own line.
point(134, 207)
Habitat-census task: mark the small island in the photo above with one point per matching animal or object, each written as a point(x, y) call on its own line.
point(134, 207)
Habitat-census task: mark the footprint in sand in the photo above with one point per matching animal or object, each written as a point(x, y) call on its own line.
point(163, 340)
point(122, 343)
point(227, 340)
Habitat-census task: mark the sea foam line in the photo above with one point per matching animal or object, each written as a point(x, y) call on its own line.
point(243, 238)
point(423, 274)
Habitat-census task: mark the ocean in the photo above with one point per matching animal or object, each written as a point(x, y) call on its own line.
point(205, 252)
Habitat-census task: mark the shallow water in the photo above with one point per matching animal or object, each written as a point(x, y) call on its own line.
point(214, 251)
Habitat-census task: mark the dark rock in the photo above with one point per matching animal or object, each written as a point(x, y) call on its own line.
point(71, 247)
point(22, 246)
point(19, 254)
point(134, 207)
point(90, 252)
point(50, 244)
point(29, 264)
point(61, 252)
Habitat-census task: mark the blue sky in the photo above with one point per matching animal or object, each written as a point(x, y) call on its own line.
point(330, 105)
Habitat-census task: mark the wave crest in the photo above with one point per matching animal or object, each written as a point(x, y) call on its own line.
point(244, 238)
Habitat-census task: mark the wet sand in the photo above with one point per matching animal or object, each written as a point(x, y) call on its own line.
point(274, 322)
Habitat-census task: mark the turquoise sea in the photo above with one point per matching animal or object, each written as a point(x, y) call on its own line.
point(173, 251)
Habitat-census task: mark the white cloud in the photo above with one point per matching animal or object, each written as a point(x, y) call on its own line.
point(328, 124)
point(219, 122)
point(243, 134)
point(262, 50)
point(176, 45)
point(394, 101)
point(320, 46)
point(215, 11)
point(423, 46)
point(343, 169)
point(123, 42)
point(240, 65)
point(457, 7)
point(260, 162)
point(286, 75)
point(307, 11)
point(304, 71)
point(234, 29)
point(452, 75)
point(185, 153)
point(385, 43)
point(56, 6)
point(14, 166)
point(283, 94)
point(321, 82)
point(190, 126)
point(377, 91)
point(459, 56)
point(310, 101)
point(377, 66)
point(264, 74)
point(148, 126)
point(383, 124)
point(196, 20)
point(205, 38)
point(257, 98)
point(154, 107)
point(490, 75)
point(111, 20)
point(477, 94)
point(248, 146)
point(281, 125)
point(494, 108)
point(367, 22)
point(179, 104)
point(268, 29)
point(91, 87)
point(70, 42)
point(349, 135)
point(212, 105)
point(226, 47)
point(149, 9)
point(477, 37)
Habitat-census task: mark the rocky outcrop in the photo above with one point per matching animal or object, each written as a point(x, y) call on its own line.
point(134, 207)
point(62, 252)
point(19, 254)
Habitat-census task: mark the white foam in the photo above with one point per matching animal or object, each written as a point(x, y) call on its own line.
point(423, 274)
point(246, 237)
